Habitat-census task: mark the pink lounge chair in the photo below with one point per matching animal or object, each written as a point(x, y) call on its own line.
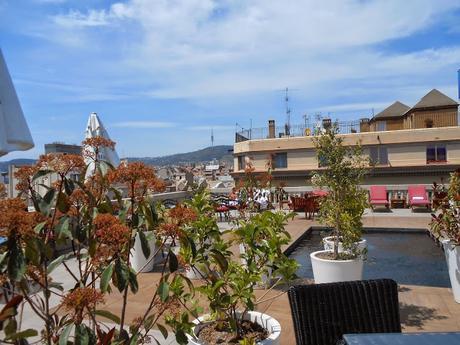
point(418, 196)
point(378, 196)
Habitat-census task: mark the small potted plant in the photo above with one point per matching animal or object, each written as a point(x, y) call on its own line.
point(440, 193)
point(229, 284)
point(446, 226)
point(342, 171)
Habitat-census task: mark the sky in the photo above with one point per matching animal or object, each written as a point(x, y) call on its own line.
point(162, 73)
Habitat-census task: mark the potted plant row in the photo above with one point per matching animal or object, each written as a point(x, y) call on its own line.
point(341, 210)
point(228, 282)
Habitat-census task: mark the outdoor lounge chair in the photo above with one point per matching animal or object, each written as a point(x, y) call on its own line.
point(378, 196)
point(418, 196)
point(323, 313)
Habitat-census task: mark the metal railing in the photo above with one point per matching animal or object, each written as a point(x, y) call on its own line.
point(344, 127)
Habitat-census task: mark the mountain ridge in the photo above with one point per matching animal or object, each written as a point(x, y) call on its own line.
point(219, 152)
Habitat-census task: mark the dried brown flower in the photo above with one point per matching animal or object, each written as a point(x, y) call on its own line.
point(62, 164)
point(15, 219)
point(81, 301)
point(112, 235)
point(137, 177)
point(92, 147)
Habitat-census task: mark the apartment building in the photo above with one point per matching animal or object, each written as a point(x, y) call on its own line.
point(408, 145)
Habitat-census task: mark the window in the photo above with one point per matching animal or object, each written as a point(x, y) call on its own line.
point(241, 163)
point(436, 153)
point(379, 155)
point(381, 126)
point(280, 160)
point(428, 123)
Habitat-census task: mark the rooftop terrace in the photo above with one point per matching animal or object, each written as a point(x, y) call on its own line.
point(422, 308)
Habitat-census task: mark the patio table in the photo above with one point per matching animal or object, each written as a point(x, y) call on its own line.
point(402, 338)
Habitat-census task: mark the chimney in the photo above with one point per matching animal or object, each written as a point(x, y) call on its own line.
point(364, 125)
point(271, 129)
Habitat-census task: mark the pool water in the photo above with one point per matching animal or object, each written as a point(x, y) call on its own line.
point(411, 258)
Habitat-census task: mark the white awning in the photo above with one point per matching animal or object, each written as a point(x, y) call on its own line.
point(95, 128)
point(14, 132)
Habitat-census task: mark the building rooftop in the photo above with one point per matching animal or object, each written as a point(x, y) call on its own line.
point(397, 109)
point(434, 98)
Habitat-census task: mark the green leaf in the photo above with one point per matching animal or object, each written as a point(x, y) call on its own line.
point(65, 335)
point(105, 277)
point(47, 201)
point(221, 260)
point(173, 263)
point(56, 262)
point(62, 228)
point(40, 173)
point(81, 335)
point(163, 291)
point(16, 261)
point(163, 330)
point(181, 338)
point(108, 315)
point(62, 203)
point(121, 274)
point(134, 340)
point(38, 228)
point(22, 335)
point(69, 186)
point(132, 279)
point(144, 244)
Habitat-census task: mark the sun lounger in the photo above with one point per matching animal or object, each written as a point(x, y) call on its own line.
point(378, 196)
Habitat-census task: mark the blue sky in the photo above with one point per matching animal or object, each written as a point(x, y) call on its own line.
point(162, 73)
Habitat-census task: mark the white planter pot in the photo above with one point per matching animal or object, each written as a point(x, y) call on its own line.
point(266, 321)
point(452, 253)
point(329, 271)
point(328, 243)
point(137, 258)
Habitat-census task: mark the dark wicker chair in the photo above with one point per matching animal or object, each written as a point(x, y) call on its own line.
point(323, 313)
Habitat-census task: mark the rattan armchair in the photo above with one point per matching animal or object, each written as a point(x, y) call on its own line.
point(322, 313)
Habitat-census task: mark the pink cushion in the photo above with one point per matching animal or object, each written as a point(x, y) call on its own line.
point(417, 192)
point(378, 193)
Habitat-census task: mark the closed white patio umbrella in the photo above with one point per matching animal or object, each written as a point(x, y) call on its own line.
point(95, 128)
point(14, 132)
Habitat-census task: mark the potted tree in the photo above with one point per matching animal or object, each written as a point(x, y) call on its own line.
point(446, 226)
point(102, 228)
point(229, 284)
point(342, 169)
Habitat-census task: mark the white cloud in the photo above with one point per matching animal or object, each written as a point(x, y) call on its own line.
point(209, 48)
point(143, 124)
point(77, 19)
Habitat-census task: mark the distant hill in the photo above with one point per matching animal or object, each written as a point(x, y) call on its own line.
point(221, 153)
point(205, 155)
point(19, 161)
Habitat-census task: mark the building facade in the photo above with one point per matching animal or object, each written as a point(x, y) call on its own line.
point(406, 146)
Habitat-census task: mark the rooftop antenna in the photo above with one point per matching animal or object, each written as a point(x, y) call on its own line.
point(288, 113)
point(212, 137)
point(306, 120)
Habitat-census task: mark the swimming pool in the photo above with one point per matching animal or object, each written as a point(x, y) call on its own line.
point(411, 258)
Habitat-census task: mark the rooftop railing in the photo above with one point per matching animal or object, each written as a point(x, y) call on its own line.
point(344, 127)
